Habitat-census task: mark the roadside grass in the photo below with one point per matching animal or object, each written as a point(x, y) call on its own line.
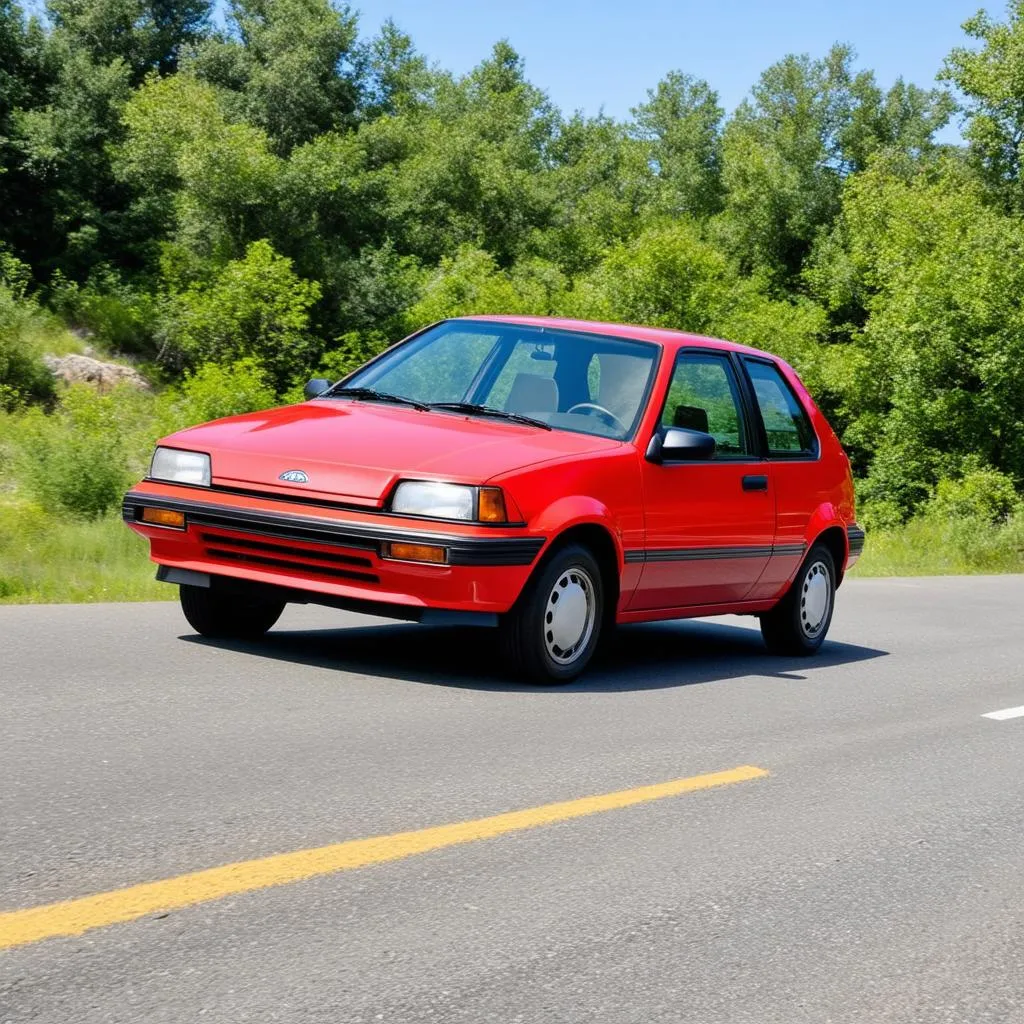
point(934, 546)
point(50, 560)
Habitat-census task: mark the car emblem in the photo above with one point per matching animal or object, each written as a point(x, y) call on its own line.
point(294, 476)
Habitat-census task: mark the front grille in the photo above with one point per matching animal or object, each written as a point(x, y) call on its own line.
point(289, 558)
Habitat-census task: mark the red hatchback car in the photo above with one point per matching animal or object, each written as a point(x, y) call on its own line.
point(546, 477)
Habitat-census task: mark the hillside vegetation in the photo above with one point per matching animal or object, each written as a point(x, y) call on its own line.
point(236, 207)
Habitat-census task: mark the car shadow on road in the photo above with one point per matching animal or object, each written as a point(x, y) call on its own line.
point(640, 657)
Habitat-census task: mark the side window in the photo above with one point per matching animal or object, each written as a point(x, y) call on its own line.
point(703, 396)
point(785, 421)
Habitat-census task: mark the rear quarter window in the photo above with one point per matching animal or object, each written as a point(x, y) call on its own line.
point(787, 426)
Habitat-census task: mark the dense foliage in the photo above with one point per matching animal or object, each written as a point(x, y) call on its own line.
point(240, 206)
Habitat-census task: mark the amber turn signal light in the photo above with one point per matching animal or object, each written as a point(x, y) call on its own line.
point(492, 506)
point(416, 553)
point(163, 517)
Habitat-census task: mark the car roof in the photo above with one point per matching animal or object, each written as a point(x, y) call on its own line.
point(658, 335)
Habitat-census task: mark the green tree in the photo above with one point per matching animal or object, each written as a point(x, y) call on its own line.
point(472, 282)
point(469, 168)
point(96, 52)
point(666, 277)
point(936, 374)
point(392, 75)
point(146, 35)
point(208, 182)
point(602, 189)
point(213, 391)
point(24, 76)
point(808, 125)
point(992, 80)
point(286, 61)
point(681, 124)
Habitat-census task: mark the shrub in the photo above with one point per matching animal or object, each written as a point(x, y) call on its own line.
point(121, 318)
point(981, 495)
point(879, 514)
point(214, 391)
point(79, 459)
point(23, 376)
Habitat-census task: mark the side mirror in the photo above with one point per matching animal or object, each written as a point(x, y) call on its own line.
point(317, 386)
point(679, 444)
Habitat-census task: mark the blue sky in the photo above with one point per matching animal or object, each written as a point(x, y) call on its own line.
point(590, 54)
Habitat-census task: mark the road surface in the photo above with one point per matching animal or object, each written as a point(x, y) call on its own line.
point(865, 865)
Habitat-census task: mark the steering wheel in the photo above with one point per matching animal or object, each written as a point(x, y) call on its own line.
point(602, 412)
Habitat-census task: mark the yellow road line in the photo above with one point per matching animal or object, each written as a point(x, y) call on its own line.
point(74, 917)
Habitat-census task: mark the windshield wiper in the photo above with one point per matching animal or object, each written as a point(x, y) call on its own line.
point(487, 410)
point(372, 395)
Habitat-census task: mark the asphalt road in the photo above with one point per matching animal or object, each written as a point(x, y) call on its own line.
point(875, 875)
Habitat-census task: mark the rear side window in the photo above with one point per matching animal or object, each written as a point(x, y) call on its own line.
point(786, 424)
point(703, 396)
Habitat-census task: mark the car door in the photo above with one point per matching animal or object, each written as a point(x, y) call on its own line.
point(709, 524)
point(793, 450)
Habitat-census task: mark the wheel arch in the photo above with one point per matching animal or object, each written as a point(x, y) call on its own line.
point(834, 538)
point(601, 541)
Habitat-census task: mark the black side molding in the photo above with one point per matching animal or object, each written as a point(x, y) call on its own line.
point(701, 554)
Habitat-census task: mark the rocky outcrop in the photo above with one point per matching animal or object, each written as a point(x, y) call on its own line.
point(76, 369)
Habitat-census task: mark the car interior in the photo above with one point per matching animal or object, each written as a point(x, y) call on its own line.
point(575, 387)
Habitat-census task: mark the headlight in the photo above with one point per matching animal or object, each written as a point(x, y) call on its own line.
point(177, 467)
point(449, 501)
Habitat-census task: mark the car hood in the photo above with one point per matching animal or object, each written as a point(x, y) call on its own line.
point(356, 451)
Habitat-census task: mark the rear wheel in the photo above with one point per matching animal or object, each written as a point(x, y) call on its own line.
point(552, 632)
point(799, 622)
point(227, 616)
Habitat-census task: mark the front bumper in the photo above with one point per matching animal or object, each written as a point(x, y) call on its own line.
point(333, 553)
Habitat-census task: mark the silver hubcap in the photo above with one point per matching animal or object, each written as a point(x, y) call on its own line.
point(569, 616)
point(815, 600)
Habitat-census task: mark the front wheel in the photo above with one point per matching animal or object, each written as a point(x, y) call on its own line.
point(553, 630)
point(227, 616)
point(799, 622)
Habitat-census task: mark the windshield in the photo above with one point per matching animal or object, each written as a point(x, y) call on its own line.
point(587, 383)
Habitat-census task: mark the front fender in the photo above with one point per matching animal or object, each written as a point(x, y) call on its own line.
point(578, 510)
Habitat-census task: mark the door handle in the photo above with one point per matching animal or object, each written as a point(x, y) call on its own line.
point(755, 483)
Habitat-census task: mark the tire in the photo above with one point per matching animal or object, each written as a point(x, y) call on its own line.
point(798, 624)
point(227, 616)
point(563, 604)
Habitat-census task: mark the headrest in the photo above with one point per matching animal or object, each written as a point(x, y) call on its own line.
point(623, 379)
point(692, 417)
point(531, 394)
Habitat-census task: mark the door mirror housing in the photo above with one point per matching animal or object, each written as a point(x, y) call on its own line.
point(316, 387)
point(680, 444)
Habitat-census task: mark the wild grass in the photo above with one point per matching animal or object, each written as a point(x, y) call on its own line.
point(933, 546)
point(49, 560)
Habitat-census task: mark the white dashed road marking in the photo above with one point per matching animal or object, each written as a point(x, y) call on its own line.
point(1001, 716)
